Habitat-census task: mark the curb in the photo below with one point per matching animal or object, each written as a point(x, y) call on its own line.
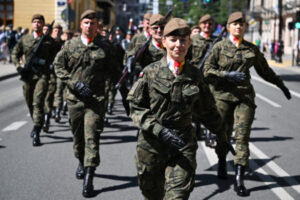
point(4, 77)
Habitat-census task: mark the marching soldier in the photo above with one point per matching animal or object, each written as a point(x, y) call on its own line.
point(84, 64)
point(154, 51)
point(162, 101)
point(227, 69)
point(140, 38)
point(49, 100)
point(35, 89)
point(200, 44)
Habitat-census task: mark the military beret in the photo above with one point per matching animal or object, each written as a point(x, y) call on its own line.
point(38, 16)
point(90, 14)
point(205, 18)
point(68, 31)
point(178, 27)
point(117, 28)
point(195, 27)
point(129, 32)
point(147, 16)
point(58, 26)
point(235, 17)
point(157, 19)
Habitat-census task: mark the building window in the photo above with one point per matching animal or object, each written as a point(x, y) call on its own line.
point(6, 12)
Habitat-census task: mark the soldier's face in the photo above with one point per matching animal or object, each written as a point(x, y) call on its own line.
point(156, 32)
point(195, 31)
point(237, 29)
point(89, 27)
point(177, 46)
point(37, 25)
point(56, 33)
point(146, 25)
point(45, 29)
point(207, 26)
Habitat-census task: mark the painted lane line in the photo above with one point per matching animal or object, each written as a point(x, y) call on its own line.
point(14, 126)
point(276, 105)
point(275, 168)
point(268, 180)
point(213, 158)
point(296, 94)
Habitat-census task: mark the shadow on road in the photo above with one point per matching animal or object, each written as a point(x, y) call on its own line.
point(60, 138)
point(259, 128)
point(290, 77)
point(117, 139)
point(269, 139)
point(1, 147)
point(130, 181)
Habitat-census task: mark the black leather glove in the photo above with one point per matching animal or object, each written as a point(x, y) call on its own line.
point(286, 92)
point(83, 90)
point(235, 76)
point(22, 71)
point(130, 64)
point(171, 139)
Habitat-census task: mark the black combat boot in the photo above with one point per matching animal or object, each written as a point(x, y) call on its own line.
point(36, 136)
point(46, 123)
point(109, 108)
point(199, 131)
point(80, 171)
point(222, 168)
point(64, 108)
point(88, 188)
point(239, 181)
point(57, 115)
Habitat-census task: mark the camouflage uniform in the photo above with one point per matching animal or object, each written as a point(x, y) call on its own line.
point(49, 100)
point(161, 173)
point(199, 47)
point(60, 93)
point(235, 102)
point(91, 64)
point(35, 89)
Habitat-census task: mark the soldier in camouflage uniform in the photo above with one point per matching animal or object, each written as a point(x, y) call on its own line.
point(162, 102)
point(36, 88)
point(60, 103)
point(49, 100)
point(154, 51)
point(200, 44)
point(227, 69)
point(84, 64)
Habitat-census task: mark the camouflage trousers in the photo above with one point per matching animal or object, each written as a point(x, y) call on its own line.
point(49, 100)
point(163, 176)
point(34, 93)
point(60, 93)
point(238, 116)
point(87, 124)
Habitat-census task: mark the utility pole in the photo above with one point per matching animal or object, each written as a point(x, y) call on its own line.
point(230, 7)
point(280, 42)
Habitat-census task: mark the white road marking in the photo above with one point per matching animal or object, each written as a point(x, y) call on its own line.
point(277, 189)
point(275, 168)
point(296, 94)
point(14, 126)
point(276, 105)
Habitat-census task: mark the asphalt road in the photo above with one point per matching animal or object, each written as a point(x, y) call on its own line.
point(48, 171)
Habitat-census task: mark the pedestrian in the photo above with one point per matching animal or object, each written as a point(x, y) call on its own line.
point(4, 52)
point(36, 84)
point(84, 64)
point(227, 69)
point(126, 41)
point(162, 101)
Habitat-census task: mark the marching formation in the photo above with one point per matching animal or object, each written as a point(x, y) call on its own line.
point(178, 84)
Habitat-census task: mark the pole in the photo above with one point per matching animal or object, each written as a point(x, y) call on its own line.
point(230, 7)
point(280, 42)
point(252, 14)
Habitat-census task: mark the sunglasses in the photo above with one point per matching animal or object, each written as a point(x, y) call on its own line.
point(155, 28)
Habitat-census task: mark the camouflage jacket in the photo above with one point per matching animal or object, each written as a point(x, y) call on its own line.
point(150, 55)
point(226, 57)
point(25, 47)
point(137, 40)
point(92, 64)
point(198, 48)
point(159, 99)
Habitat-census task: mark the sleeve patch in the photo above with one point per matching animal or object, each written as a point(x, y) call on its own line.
point(141, 75)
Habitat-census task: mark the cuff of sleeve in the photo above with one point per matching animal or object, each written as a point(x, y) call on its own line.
point(157, 129)
point(223, 74)
point(71, 84)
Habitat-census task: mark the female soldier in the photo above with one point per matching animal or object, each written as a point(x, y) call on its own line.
point(227, 70)
point(162, 102)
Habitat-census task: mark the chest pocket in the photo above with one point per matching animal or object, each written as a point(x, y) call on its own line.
point(98, 55)
point(189, 94)
point(249, 56)
point(226, 58)
point(161, 89)
point(74, 59)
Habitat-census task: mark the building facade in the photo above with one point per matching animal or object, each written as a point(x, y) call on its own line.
point(266, 16)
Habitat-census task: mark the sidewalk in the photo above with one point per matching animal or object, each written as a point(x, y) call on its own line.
point(7, 70)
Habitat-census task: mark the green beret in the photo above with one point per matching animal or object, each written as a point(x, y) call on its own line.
point(89, 14)
point(177, 27)
point(38, 16)
point(205, 18)
point(236, 16)
point(157, 19)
